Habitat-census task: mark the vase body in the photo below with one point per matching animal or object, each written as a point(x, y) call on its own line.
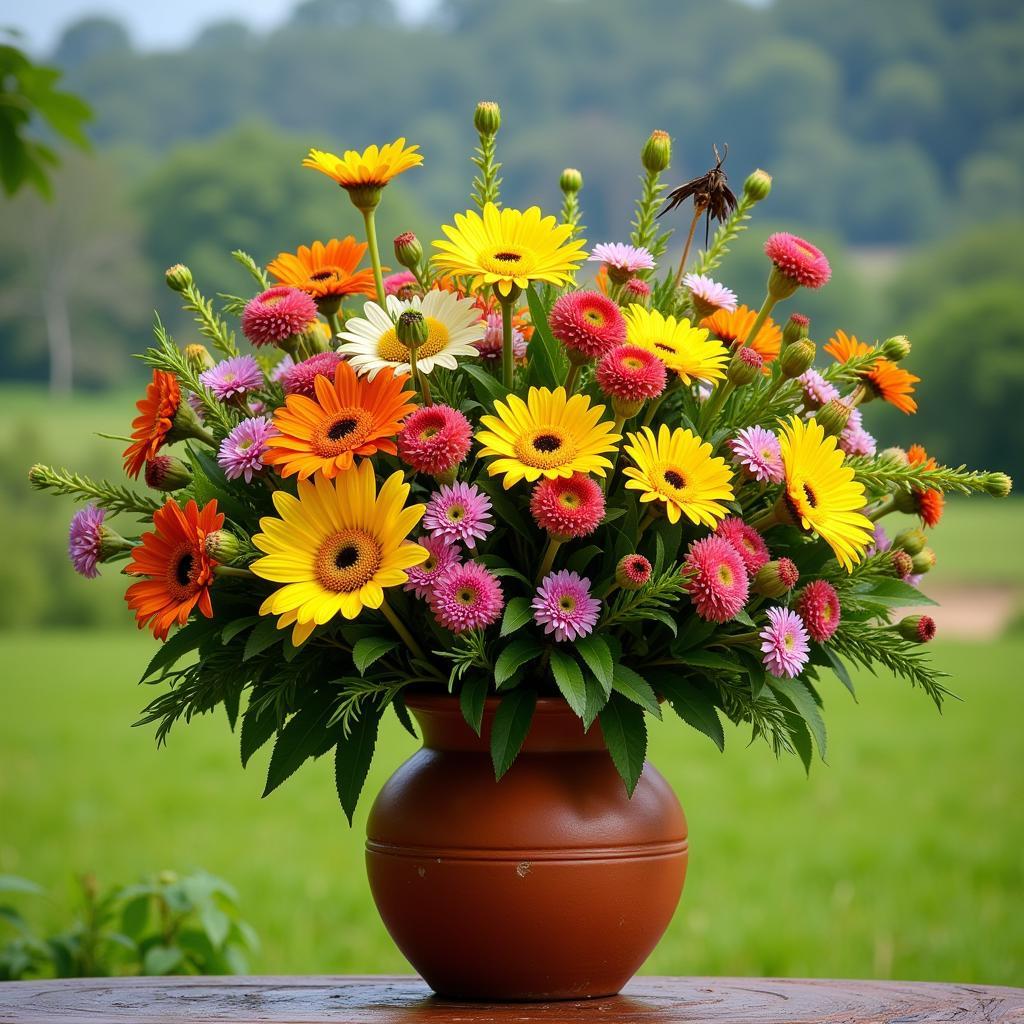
point(548, 884)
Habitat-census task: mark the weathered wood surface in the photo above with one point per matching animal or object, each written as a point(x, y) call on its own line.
point(399, 1000)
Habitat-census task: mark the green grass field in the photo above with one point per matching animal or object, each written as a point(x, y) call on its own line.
point(901, 858)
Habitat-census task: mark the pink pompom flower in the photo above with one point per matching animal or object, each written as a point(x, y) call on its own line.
point(241, 452)
point(443, 555)
point(564, 606)
point(746, 540)
point(489, 346)
point(785, 647)
point(298, 379)
point(636, 289)
point(461, 512)
point(796, 259)
point(622, 261)
point(277, 315)
point(631, 374)
point(85, 540)
point(633, 572)
point(401, 284)
point(233, 378)
point(435, 439)
point(817, 390)
point(588, 324)
point(466, 597)
point(757, 451)
point(855, 440)
point(568, 506)
point(717, 580)
point(818, 606)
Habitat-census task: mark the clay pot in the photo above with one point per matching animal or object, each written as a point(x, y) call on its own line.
point(548, 884)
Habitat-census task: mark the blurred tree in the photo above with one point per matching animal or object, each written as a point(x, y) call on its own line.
point(991, 187)
point(344, 13)
point(91, 39)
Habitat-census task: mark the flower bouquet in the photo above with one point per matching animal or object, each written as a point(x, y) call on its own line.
point(499, 490)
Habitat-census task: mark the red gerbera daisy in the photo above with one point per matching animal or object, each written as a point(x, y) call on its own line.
point(154, 422)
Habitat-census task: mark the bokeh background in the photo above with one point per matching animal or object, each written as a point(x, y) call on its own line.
point(895, 134)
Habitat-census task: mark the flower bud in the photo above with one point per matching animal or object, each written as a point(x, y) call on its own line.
point(776, 578)
point(924, 561)
point(797, 328)
point(781, 285)
point(633, 572)
point(895, 349)
point(998, 485)
point(412, 329)
point(571, 180)
point(902, 564)
point(223, 546)
point(199, 358)
point(487, 118)
point(798, 358)
point(745, 366)
point(37, 476)
point(833, 417)
point(757, 186)
point(911, 540)
point(917, 628)
point(636, 290)
point(657, 152)
point(895, 454)
point(408, 250)
point(167, 473)
point(178, 278)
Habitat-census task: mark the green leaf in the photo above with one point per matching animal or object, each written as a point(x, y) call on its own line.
point(487, 387)
point(402, 714)
point(301, 738)
point(188, 638)
point(161, 960)
point(371, 649)
point(352, 758)
point(135, 916)
point(598, 658)
point(693, 701)
point(215, 923)
point(579, 560)
point(694, 632)
point(796, 693)
point(517, 614)
point(625, 735)
point(15, 883)
point(472, 695)
point(839, 668)
point(800, 738)
point(256, 730)
point(635, 688)
point(596, 700)
point(511, 724)
point(518, 652)
point(264, 635)
point(232, 629)
point(896, 594)
point(547, 366)
point(706, 659)
point(569, 680)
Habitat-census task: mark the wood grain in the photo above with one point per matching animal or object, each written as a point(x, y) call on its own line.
point(398, 1000)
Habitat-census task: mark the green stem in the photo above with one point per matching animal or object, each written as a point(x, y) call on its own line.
point(653, 407)
point(371, 241)
point(334, 323)
point(762, 314)
point(765, 520)
point(508, 364)
point(230, 570)
point(570, 378)
point(646, 521)
point(606, 483)
point(399, 628)
point(424, 388)
point(549, 558)
point(883, 508)
point(714, 404)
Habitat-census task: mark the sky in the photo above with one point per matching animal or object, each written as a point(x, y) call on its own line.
point(159, 25)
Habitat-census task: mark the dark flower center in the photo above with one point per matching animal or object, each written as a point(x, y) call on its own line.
point(674, 479)
point(547, 443)
point(809, 494)
point(346, 557)
point(341, 429)
point(183, 570)
point(322, 275)
point(508, 257)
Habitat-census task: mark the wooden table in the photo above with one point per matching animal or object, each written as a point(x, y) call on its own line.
point(398, 1000)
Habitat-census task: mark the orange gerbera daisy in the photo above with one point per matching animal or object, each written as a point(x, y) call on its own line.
point(325, 271)
point(732, 327)
point(843, 347)
point(154, 422)
point(885, 379)
point(928, 503)
point(179, 571)
point(351, 416)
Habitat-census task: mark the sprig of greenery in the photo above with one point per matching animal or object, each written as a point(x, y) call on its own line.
point(651, 600)
point(211, 325)
point(886, 472)
point(113, 497)
point(355, 693)
point(468, 651)
point(853, 368)
point(726, 234)
point(448, 387)
point(869, 646)
point(645, 223)
point(487, 184)
point(765, 715)
point(259, 275)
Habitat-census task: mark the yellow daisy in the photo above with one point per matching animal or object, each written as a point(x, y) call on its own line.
point(687, 350)
point(371, 169)
point(677, 468)
point(547, 435)
point(821, 493)
point(509, 248)
point(336, 547)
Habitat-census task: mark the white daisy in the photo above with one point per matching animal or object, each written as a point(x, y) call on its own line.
point(454, 325)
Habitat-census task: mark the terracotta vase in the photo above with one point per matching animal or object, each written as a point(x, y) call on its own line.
point(548, 884)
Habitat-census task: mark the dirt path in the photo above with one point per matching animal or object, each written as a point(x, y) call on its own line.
point(972, 612)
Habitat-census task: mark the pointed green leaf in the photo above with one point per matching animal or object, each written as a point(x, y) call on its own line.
point(518, 652)
point(797, 693)
point(352, 758)
point(598, 658)
point(370, 649)
point(264, 635)
point(636, 688)
point(625, 735)
point(256, 730)
point(596, 699)
point(302, 737)
point(693, 701)
point(517, 614)
point(511, 724)
point(569, 680)
point(472, 697)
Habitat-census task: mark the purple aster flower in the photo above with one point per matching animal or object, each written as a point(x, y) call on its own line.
point(817, 390)
point(563, 606)
point(786, 647)
point(757, 451)
point(85, 539)
point(444, 555)
point(622, 261)
point(703, 392)
point(881, 542)
point(489, 346)
point(233, 377)
point(459, 512)
point(855, 440)
point(708, 295)
point(281, 367)
point(466, 597)
point(241, 452)
point(196, 405)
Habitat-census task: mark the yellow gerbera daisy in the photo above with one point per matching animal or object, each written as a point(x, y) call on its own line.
point(677, 468)
point(371, 169)
point(509, 248)
point(547, 435)
point(685, 349)
point(336, 547)
point(821, 493)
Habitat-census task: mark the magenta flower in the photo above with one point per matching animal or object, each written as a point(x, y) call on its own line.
point(281, 368)
point(444, 555)
point(460, 512)
point(746, 540)
point(299, 378)
point(818, 605)
point(466, 597)
point(233, 378)
point(708, 295)
point(817, 390)
point(757, 451)
point(489, 346)
point(277, 315)
point(85, 539)
point(717, 580)
point(564, 606)
point(855, 440)
point(622, 261)
point(435, 439)
point(403, 281)
point(797, 259)
point(241, 452)
point(568, 506)
point(785, 648)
